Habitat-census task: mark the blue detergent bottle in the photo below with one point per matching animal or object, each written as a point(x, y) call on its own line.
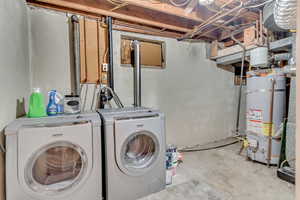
point(52, 106)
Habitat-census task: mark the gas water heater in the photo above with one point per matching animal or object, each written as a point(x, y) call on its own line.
point(266, 110)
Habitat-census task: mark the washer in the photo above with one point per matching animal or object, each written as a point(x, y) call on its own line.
point(134, 152)
point(54, 158)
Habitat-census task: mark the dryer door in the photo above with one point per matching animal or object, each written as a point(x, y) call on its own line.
point(137, 144)
point(54, 160)
point(56, 168)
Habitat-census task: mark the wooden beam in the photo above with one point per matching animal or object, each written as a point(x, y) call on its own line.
point(141, 31)
point(99, 11)
point(117, 24)
point(123, 26)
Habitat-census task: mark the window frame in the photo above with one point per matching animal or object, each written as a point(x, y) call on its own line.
point(163, 50)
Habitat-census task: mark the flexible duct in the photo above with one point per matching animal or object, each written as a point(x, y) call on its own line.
point(285, 13)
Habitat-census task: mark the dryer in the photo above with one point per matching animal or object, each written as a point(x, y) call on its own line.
point(134, 152)
point(54, 158)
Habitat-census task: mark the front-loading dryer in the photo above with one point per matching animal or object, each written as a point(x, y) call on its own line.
point(54, 158)
point(134, 149)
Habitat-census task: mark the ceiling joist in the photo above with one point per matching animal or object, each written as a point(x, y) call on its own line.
point(158, 17)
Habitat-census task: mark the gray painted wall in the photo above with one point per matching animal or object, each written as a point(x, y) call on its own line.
point(14, 58)
point(198, 98)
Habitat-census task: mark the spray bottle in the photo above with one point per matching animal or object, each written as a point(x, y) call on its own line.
point(52, 105)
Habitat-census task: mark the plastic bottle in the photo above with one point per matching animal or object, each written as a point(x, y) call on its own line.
point(52, 106)
point(36, 104)
point(59, 100)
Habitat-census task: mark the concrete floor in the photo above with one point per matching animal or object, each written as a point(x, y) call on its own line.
point(223, 175)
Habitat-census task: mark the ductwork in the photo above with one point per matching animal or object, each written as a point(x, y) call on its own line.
point(268, 18)
point(285, 14)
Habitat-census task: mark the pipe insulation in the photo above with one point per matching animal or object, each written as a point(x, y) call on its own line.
point(285, 14)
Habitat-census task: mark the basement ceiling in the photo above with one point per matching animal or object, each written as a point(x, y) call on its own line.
point(189, 21)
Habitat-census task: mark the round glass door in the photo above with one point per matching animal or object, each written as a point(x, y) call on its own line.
point(56, 168)
point(140, 151)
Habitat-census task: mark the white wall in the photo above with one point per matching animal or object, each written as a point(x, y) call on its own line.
point(198, 98)
point(14, 58)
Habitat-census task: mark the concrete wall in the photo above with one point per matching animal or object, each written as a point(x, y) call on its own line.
point(50, 58)
point(14, 68)
point(198, 98)
point(14, 58)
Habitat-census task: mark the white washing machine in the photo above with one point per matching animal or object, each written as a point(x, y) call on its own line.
point(134, 153)
point(54, 158)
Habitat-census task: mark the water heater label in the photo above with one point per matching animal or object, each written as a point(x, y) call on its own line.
point(255, 121)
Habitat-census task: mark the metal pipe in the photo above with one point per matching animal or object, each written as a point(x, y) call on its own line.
point(110, 73)
point(271, 123)
point(76, 53)
point(137, 74)
point(241, 83)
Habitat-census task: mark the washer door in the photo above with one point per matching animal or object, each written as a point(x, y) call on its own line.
point(137, 145)
point(56, 168)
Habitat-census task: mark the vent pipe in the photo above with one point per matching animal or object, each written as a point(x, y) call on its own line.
point(137, 84)
point(111, 52)
point(76, 54)
point(285, 14)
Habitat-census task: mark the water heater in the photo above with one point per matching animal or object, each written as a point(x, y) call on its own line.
point(266, 110)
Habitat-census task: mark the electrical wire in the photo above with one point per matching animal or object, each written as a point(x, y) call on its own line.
point(115, 2)
point(259, 5)
point(197, 149)
point(181, 4)
point(286, 161)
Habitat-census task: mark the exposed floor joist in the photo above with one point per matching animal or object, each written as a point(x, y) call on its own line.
point(99, 11)
point(161, 17)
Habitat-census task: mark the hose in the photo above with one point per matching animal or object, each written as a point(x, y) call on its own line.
point(197, 149)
